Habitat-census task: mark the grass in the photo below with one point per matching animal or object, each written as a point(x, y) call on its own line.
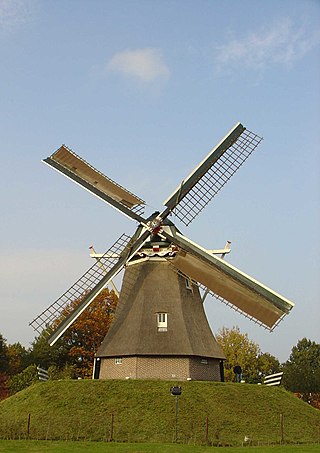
point(99, 447)
point(144, 411)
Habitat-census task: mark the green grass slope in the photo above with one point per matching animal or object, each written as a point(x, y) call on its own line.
point(217, 413)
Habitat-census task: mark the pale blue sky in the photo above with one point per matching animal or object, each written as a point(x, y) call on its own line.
point(143, 90)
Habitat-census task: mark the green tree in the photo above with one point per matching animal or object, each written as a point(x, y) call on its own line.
point(302, 369)
point(239, 350)
point(23, 380)
point(267, 364)
point(17, 358)
point(41, 353)
point(69, 371)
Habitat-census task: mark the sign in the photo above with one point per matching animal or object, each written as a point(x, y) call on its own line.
point(176, 391)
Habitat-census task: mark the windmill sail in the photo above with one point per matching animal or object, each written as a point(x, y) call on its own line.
point(229, 283)
point(74, 167)
point(198, 189)
point(87, 287)
point(160, 330)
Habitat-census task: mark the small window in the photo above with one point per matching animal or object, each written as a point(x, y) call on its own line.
point(162, 322)
point(189, 284)
point(118, 360)
point(204, 361)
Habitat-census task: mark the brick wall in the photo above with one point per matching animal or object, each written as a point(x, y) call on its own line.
point(165, 368)
point(204, 369)
point(110, 370)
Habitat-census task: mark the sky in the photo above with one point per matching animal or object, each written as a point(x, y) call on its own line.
point(143, 90)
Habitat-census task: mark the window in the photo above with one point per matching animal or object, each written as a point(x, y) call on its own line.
point(204, 361)
point(162, 322)
point(118, 360)
point(189, 284)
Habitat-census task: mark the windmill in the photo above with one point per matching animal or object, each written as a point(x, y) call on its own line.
point(160, 328)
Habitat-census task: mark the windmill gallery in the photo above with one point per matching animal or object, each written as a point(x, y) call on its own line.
point(160, 330)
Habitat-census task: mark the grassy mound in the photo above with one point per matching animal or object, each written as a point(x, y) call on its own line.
point(138, 411)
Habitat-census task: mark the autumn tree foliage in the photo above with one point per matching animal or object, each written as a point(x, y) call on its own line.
point(240, 350)
point(4, 361)
point(4, 388)
point(72, 355)
point(17, 358)
point(12, 361)
point(85, 335)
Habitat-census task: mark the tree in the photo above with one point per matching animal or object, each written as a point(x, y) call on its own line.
point(41, 353)
point(302, 369)
point(17, 358)
point(70, 357)
point(4, 361)
point(267, 364)
point(240, 350)
point(4, 390)
point(85, 335)
point(76, 348)
point(69, 371)
point(23, 380)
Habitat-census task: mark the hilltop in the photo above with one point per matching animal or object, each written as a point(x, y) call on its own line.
point(138, 411)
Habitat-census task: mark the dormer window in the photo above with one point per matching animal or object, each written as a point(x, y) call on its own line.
point(162, 322)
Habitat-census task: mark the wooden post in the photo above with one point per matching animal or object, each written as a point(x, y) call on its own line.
point(28, 429)
point(207, 430)
point(176, 424)
point(111, 428)
point(281, 429)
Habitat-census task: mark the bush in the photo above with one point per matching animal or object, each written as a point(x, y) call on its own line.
point(23, 380)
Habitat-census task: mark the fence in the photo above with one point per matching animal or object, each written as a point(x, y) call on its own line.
point(109, 428)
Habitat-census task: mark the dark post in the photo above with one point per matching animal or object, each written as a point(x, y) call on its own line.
point(111, 428)
point(28, 429)
point(96, 368)
point(221, 371)
point(207, 430)
point(176, 427)
point(176, 391)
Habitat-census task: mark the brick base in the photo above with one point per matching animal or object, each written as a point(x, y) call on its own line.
point(160, 367)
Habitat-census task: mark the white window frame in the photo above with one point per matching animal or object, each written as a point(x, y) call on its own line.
point(162, 322)
point(118, 360)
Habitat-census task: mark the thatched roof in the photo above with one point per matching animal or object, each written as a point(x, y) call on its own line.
point(152, 287)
